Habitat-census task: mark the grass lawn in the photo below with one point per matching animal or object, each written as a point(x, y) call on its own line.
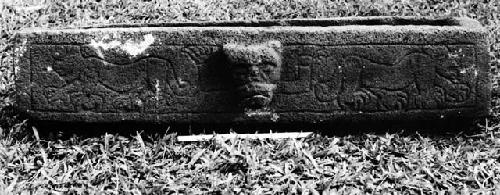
point(156, 163)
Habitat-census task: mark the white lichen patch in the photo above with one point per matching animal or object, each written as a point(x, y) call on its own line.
point(18, 51)
point(262, 113)
point(470, 70)
point(157, 90)
point(456, 54)
point(130, 46)
point(138, 102)
point(181, 82)
point(105, 46)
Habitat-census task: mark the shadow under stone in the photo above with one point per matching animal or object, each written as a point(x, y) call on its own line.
point(64, 130)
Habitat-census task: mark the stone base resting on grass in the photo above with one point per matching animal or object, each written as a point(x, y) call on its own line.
point(322, 70)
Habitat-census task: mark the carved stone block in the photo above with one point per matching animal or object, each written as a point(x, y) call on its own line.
point(256, 70)
point(269, 71)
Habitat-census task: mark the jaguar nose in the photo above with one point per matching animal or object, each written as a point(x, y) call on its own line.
point(254, 71)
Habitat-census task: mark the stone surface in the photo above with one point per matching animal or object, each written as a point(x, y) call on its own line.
point(256, 70)
point(346, 69)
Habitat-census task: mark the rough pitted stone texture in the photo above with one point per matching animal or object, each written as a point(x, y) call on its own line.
point(256, 70)
point(346, 69)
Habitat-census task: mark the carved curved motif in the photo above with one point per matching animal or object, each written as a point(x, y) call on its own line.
point(257, 78)
point(415, 80)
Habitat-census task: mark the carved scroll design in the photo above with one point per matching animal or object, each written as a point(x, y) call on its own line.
point(313, 78)
point(76, 78)
point(416, 80)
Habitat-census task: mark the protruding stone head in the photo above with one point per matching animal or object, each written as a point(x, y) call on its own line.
point(256, 70)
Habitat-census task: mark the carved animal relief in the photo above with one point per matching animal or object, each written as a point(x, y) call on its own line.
point(310, 72)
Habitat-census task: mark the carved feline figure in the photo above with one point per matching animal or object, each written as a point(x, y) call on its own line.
point(416, 81)
point(255, 69)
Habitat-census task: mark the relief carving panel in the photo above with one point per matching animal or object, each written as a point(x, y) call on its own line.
point(380, 78)
point(201, 79)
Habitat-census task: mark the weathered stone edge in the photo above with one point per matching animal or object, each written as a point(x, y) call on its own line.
point(289, 117)
point(333, 21)
point(22, 76)
point(483, 95)
point(467, 31)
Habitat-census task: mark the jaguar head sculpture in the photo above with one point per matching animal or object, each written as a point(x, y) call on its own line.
point(255, 70)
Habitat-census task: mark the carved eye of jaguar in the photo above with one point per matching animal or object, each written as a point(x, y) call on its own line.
point(256, 70)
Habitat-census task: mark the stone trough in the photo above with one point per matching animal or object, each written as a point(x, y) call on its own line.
point(283, 71)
